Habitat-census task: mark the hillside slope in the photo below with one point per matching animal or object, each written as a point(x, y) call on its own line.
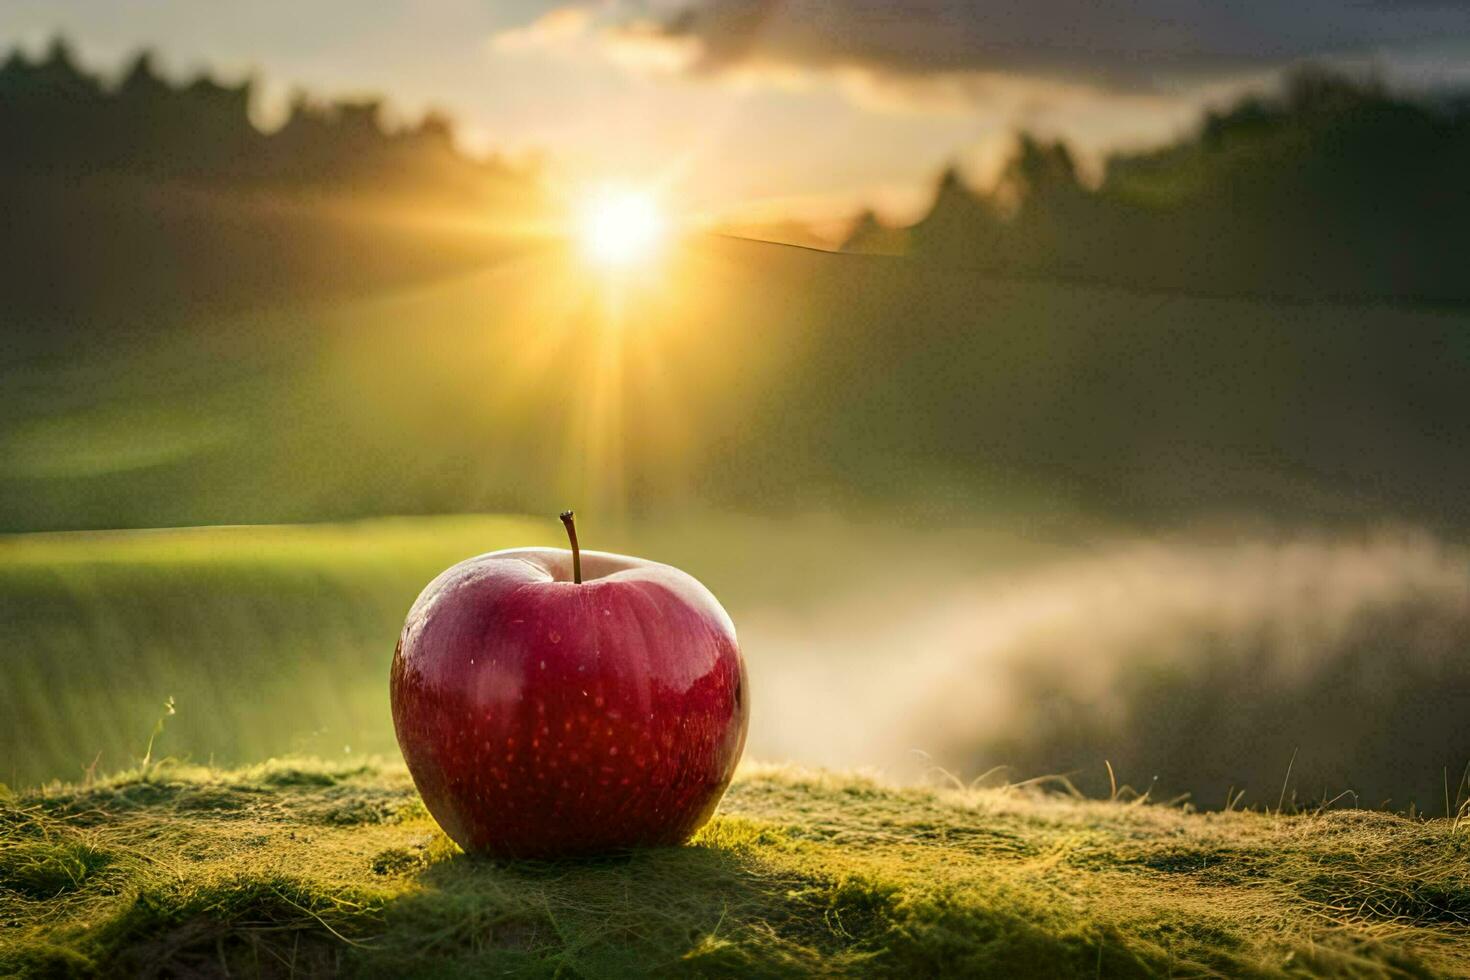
point(744, 376)
point(301, 867)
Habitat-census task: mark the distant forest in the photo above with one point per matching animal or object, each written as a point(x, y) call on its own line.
point(149, 196)
point(59, 119)
point(1335, 188)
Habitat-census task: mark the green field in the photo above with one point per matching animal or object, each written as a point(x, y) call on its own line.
point(267, 639)
point(745, 377)
point(300, 868)
point(277, 639)
point(1212, 663)
point(917, 492)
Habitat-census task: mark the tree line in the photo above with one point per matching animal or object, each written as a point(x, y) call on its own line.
point(1333, 188)
point(60, 119)
point(149, 201)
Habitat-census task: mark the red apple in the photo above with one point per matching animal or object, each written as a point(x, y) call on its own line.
point(543, 714)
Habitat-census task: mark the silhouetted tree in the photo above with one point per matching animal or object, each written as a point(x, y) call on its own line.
point(60, 120)
point(1333, 188)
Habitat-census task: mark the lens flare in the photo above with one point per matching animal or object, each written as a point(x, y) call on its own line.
point(621, 227)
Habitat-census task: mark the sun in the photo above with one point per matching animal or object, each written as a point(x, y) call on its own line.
point(620, 226)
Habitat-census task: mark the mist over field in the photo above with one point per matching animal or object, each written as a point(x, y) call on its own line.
point(1198, 663)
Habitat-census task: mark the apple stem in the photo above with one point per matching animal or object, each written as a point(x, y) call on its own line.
point(568, 518)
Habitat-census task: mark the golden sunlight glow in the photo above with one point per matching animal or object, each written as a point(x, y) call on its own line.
point(621, 227)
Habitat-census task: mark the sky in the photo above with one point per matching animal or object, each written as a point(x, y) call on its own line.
point(809, 108)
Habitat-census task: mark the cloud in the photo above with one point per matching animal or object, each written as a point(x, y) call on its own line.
point(557, 27)
point(953, 45)
point(646, 44)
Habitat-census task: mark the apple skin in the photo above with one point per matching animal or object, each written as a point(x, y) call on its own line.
point(542, 718)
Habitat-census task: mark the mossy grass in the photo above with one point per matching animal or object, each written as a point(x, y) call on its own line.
point(302, 867)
